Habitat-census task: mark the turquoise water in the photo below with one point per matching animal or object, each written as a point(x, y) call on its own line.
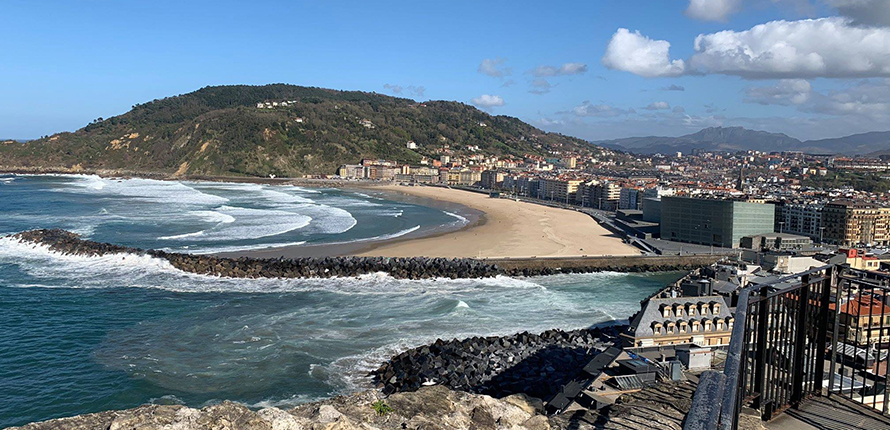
point(84, 334)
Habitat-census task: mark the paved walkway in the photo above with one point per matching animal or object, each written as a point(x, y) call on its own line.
point(829, 413)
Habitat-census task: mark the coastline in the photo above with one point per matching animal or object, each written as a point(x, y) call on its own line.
point(513, 229)
point(495, 228)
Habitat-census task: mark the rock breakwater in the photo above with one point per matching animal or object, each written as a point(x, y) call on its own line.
point(535, 364)
point(69, 243)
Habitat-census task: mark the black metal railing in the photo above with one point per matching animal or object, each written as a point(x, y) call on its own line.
point(860, 337)
point(822, 332)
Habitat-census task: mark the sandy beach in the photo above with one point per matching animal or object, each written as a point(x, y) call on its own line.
point(508, 229)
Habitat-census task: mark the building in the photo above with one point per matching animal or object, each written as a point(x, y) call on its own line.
point(559, 190)
point(859, 260)
point(603, 195)
point(702, 321)
point(776, 242)
point(492, 179)
point(651, 209)
point(630, 198)
point(800, 218)
point(849, 223)
point(351, 171)
point(866, 320)
point(714, 222)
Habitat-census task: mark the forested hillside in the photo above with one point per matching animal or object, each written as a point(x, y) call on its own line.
point(221, 131)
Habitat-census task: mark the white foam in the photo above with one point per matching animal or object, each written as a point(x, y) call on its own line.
point(224, 249)
point(214, 216)
point(462, 304)
point(183, 236)
point(459, 218)
point(166, 192)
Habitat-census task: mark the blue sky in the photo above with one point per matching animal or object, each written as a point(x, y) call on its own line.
point(64, 63)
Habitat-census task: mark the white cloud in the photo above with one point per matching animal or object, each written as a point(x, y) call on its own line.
point(638, 54)
point(673, 87)
point(599, 110)
point(712, 10)
point(565, 69)
point(494, 67)
point(658, 106)
point(826, 47)
point(785, 92)
point(868, 99)
point(486, 101)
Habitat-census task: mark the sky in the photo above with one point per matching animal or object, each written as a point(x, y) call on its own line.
point(592, 69)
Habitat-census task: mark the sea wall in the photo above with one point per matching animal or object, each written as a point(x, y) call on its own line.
point(346, 266)
point(629, 263)
point(535, 364)
point(65, 242)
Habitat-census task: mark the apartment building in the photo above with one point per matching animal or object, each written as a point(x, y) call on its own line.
point(559, 190)
point(804, 219)
point(630, 198)
point(849, 223)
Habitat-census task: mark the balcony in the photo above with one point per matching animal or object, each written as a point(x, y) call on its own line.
point(789, 363)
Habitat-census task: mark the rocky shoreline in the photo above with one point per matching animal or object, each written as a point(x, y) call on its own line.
point(663, 406)
point(534, 364)
point(68, 243)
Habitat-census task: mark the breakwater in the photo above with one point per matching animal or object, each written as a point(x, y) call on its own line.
point(534, 364)
point(68, 243)
point(629, 263)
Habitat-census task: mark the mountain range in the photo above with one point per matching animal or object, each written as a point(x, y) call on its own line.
point(278, 129)
point(741, 139)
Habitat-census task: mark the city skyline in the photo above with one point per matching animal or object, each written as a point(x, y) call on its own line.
point(596, 71)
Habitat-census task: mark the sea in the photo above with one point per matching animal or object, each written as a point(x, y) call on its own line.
point(87, 334)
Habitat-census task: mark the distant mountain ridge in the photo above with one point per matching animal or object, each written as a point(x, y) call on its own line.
point(742, 139)
point(232, 131)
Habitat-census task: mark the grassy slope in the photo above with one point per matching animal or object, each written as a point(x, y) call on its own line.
point(218, 131)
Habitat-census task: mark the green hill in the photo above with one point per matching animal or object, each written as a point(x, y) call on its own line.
point(220, 131)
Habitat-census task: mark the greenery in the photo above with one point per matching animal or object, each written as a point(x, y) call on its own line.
point(861, 181)
point(219, 131)
point(381, 408)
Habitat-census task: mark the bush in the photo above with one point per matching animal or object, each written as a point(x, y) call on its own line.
point(381, 408)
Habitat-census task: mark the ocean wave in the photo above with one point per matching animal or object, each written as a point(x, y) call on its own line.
point(237, 248)
point(459, 218)
point(214, 216)
point(166, 192)
point(239, 223)
point(144, 271)
point(183, 236)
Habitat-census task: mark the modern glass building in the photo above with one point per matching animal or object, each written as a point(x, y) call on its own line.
point(714, 222)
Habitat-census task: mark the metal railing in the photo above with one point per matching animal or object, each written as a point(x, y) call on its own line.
point(820, 332)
